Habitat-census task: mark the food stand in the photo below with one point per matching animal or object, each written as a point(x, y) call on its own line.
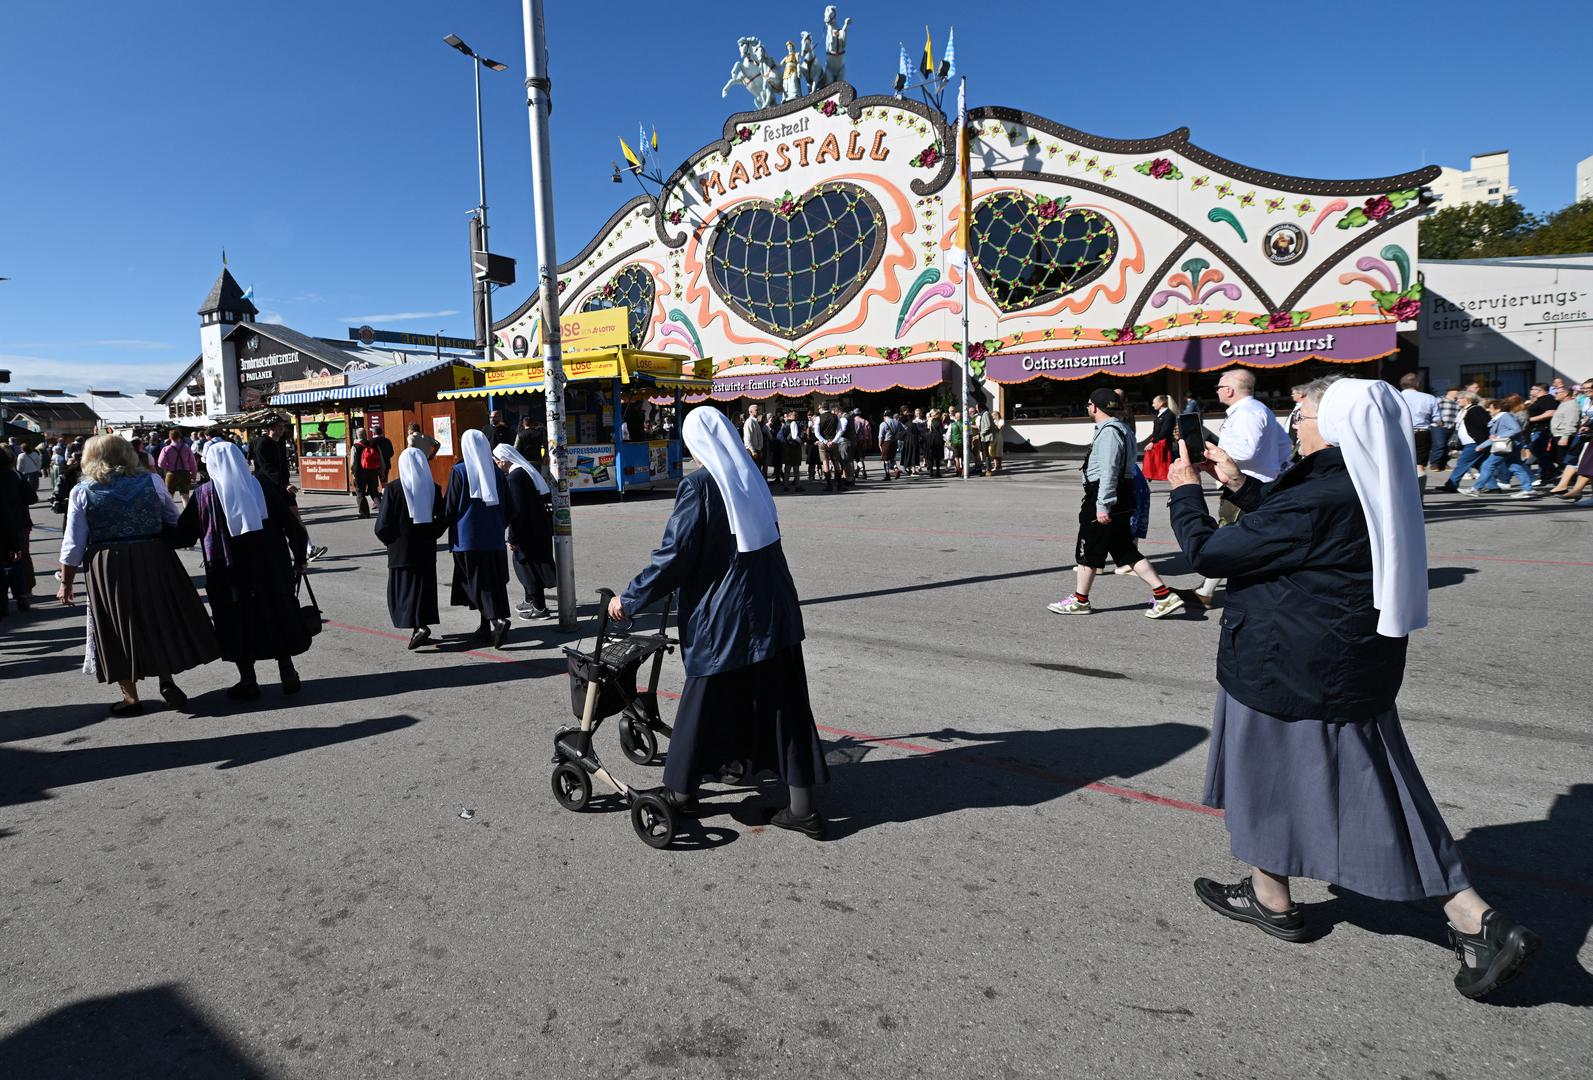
point(326, 411)
point(600, 386)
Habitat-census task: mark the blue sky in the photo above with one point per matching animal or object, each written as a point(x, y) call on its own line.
point(330, 146)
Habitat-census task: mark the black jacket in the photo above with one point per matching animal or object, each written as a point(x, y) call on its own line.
point(735, 609)
point(1476, 421)
point(1299, 632)
point(531, 528)
point(270, 461)
point(1162, 427)
point(409, 545)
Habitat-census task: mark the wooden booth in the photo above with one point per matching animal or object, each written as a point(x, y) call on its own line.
point(327, 411)
point(606, 398)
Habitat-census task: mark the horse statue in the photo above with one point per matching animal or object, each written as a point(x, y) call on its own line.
point(808, 64)
point(755, 71)
point(834, 47)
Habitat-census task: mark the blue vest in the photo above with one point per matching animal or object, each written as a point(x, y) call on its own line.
point(122, 508)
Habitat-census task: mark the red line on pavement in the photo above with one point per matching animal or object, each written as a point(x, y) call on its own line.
point(499, 657)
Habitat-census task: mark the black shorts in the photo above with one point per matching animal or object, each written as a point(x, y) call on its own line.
point(1424, 445)
point(1097, 541)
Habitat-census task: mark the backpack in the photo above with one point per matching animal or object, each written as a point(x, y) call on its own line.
point(370, 457)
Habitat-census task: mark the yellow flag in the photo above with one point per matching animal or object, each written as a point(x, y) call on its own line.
point(964, 186)
point(655, 138)
point(927, 65)
point(630, 156)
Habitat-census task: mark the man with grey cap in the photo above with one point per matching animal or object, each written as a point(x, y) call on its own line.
point(1105, 516)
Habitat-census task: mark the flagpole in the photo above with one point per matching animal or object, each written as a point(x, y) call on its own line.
point(967, 255)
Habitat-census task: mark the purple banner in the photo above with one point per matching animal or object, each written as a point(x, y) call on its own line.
point(911, 375)
point(1337, 344)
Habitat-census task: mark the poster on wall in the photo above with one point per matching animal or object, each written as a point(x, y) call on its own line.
point(594, 468)
point(442, 429)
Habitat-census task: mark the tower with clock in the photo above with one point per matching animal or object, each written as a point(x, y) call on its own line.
point(224, 308)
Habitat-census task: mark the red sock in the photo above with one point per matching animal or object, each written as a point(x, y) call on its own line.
point(1161, 593)
point(1083, 598)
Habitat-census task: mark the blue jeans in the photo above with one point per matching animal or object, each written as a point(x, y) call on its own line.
point(1469, 453)
point(1489, 479)
point(1441, 438)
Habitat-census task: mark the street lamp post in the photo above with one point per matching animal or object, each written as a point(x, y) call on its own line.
point(477, 63)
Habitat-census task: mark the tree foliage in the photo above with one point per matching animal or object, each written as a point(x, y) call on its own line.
point(1485, 231)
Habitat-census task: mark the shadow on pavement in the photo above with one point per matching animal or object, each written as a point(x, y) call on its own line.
point(141, 1033)
point(1441, 577)
point(996, 769)
point(28, 775)
point(1539, 872)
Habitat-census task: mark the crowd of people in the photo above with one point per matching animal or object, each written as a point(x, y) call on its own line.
point(835, 445)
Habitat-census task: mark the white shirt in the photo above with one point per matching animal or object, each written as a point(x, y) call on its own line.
point(1421, 406)
point(28, 463)
point(1255, 440)
point(75, 538)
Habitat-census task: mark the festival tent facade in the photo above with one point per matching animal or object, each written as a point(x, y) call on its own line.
point(813, 251)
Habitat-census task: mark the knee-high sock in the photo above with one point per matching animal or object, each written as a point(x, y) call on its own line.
point(801, 801)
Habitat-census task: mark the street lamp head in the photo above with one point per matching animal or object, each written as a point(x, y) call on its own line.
point(492, 65)
point(453, 39)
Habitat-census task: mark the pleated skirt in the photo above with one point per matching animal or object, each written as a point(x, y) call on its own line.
point(759, 714)
point(481, 582)
point(1342, 803)
point(412, 596)
point(145, 617)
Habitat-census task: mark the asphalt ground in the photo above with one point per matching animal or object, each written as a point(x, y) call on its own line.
point(287, 888)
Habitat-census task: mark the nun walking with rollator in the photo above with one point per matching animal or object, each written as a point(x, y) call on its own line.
point(1327, 579)
point(530, 530)
point(409, 523)
point(475, 506)
point(746, 693)
point(254, 549)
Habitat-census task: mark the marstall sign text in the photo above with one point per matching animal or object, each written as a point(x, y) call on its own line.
point(792, 152)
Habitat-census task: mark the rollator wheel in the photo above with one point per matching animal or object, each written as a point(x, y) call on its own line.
point(637, 740)
point(571, 786)
point(654, 820)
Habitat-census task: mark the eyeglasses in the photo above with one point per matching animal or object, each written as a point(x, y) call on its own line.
point(1302, 416)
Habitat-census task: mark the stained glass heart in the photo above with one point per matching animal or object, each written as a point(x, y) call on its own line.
point(632, 288)
point(791, 265)
point(1030, 249)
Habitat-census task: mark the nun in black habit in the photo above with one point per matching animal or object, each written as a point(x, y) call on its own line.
point(254, 548)
point(474, 507)
point(746, 692)
point(409, 523)
point(530, 530)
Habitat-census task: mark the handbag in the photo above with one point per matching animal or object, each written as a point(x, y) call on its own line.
point(1503, 445)
point(309, 614)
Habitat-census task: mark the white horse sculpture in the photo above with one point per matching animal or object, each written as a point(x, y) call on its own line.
point(755, 71)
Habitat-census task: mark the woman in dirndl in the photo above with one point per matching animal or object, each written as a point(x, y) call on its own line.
point(1327, 578)
point(409, 524)
point(745, 697)
point(475, 506)
point(144, 616)
point(530, 530)
point(1159, 451)
point(254, 549)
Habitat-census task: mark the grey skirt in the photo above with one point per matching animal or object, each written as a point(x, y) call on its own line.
point(1342, 803)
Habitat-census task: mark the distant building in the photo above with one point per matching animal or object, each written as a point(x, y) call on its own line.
point(1487, 181)
point(1507, 322)
point(50, 412)
point(1584, 179)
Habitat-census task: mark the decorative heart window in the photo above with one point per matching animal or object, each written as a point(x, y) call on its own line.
point(631, 288)
point(791, 265)
point(1030, 249)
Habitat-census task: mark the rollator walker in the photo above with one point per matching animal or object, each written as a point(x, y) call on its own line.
point(603, 683)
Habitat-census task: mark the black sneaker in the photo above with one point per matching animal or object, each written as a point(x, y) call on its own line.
point(1238, 901)
point(1493, 957)
point(315, 553)
point(527, 606)
point(810, 826)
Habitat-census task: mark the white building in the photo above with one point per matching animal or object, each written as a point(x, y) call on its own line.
point(1509, 322)
point(1487, 181)
point(1584, 179)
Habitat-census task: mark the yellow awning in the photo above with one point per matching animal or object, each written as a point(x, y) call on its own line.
point(524, 375)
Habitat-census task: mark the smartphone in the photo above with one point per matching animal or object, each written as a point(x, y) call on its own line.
point(1192, 433)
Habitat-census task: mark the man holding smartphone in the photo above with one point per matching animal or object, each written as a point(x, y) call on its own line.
point(1256, 442)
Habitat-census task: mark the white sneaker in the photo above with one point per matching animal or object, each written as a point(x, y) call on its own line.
point(1070, 606)
point(1529, 494)
point(1473, 492)
point(1124, 570)
point(1165, 606)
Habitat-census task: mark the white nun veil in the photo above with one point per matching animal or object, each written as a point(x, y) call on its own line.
point(1368, 421)
point(479, 470)
point(713, 442)
point(242, 501)
point(504, 452)
point(420, 492)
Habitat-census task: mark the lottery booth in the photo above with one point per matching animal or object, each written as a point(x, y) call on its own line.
point(616, 403)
